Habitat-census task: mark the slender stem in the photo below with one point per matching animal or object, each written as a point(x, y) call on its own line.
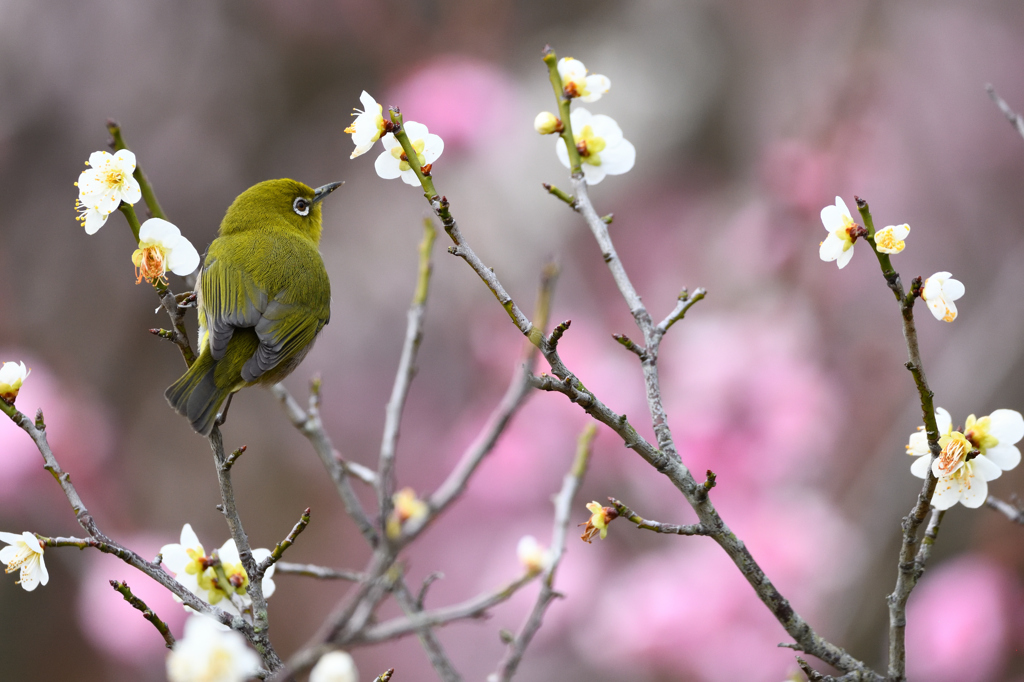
point(404, 375)
point(476, 607)
point(656, 526)
point(908, 569)
point(310, 425)
point(1012, 116)
point(1014, 512)
point(563, 512)
point(551, 60)
point(435, 652)
point(321, 572)
point(260, 622)
point(515, 395)
point(147, 612)
point(280, 548)
point(97, 540)
point(410, 153)
point(148, 195)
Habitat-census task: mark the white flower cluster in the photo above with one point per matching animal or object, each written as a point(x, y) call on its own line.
point(393, 162)
point(938, 291)
point(970, 458)
point(218, 578)
point(602, 148)
point(102, 188)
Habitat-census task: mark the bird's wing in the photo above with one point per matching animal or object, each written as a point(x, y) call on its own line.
point(231, 300)
point(285, 329)
point(283, 324)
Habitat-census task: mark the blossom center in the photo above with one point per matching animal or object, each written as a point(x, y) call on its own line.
point(590, 146)
point(403, 159)
point(954, 453)
point(887, 240)
point(845, 233)
point(150, 263)
point(113, 177)
point(25, 560)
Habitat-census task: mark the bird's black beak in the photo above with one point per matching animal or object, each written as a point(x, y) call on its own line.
point(320, 193)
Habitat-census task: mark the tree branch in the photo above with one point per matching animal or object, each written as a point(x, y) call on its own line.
point(1012, 511)
point(656, 526)
point(260, 622)
point(435, 652)
point(310, 425)
point(403, 376)
point(563, 510)
point(147, 612)
point(1013, 117)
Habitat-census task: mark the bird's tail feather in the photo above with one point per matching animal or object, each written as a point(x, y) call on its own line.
point(196, 395)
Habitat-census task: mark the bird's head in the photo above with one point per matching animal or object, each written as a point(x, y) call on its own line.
point(278, 204)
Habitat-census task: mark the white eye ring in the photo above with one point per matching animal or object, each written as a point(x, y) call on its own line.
point(301, 206)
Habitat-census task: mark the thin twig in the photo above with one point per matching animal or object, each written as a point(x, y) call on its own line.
point(280, 548)
point(1014, 512)
point(147, 612)
point(435, 652)
point(321, 572)
point(97, 540)
point(908, 570)
point(404, 374)
point(514, 398)
point(477, 607)
point(656, 526)
point(260, 621)
point(563, 510)
point(310, 425)
point(1015, 119)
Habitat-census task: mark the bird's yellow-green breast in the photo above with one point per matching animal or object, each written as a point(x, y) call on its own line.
point(263, 296)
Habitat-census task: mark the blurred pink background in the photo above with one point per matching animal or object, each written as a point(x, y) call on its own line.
point(747, 117)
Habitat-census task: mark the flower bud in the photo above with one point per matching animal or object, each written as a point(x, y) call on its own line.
point(12, 375)
point(547, 123)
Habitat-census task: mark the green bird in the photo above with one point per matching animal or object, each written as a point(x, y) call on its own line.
point(262, 296)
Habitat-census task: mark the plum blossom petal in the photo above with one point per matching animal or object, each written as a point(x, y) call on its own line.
point(532, 555)
point(939, 292)
point(334, 666)
point(210, 653)
point(890, 238)
point(392, 162)
point(602, 148)
point(838, 245)
point(576, 82)
point(368, 126)
point(161, 248)
point(102, 187)
point(24, 553)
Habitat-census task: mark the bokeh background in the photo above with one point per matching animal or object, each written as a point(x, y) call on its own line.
point(747, 117)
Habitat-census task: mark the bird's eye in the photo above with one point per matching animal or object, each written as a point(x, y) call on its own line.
point(301, 205)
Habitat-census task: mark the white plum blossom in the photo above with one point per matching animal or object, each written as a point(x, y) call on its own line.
point(969, 459)
point(209, 652)
point(368, 126)
point(603, 150)
point(576, 82)
point(393, 163)
point(24, 553)
point(334, 666)
point(890, 238)
point(842, 232)
point(107, 183)
point(217, 576)
point(939, 292)
point(12, 376)
point(161, 248)
point(534, 557)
